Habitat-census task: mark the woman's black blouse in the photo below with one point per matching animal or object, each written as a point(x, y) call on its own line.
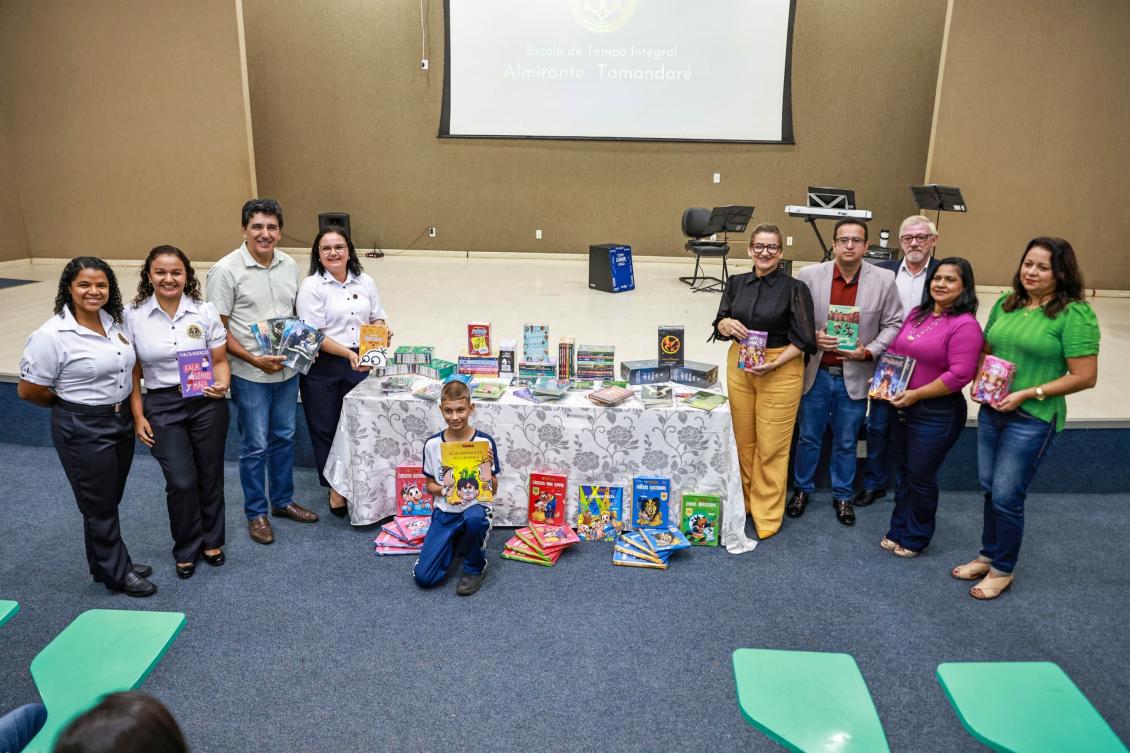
point(776, 303)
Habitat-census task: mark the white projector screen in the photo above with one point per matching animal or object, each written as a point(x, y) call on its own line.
point(670, 70)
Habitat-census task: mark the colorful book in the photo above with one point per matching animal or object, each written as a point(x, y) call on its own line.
point(478, 338)
point(195, 369)
point(580, 385)
point(751, 350)
point(525, 394)
point(386, 539)
point(553, 536)
point(705, 400)
point(535, 343)
point(664, 538)
point(518, 546)
point(413, 527)
point(466, 472)
point(843, 324)
point(892, 375)
point(510, 554)
point(428, 391)
point(276, 329)
point(634, 540)
point(651, 501)
point(372, 347)
point(300, 345)
point(670, 341)
point(550, 386)
point(600, 512)
point(994, 380)
point(637, 554)
point(526, 536)
point(436, 368)
point(412, 491)
point(702, 516)
point(387, 550)
point(262, 333)
point(609, 396)
point(623, 559)
point(488, 390)
point(547, 498)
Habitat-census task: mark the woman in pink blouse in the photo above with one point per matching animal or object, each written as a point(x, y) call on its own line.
point(943, 337)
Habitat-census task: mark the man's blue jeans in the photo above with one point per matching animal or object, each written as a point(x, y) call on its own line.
point(18, 727)
point(1010, 447)
point(877, 470)
point(265, 414)
point(828, 400)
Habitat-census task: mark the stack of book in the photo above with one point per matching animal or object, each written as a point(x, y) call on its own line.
point(490, 389)
point(428, 391)
point(436, 368)
point(657, 395)
point(539, 544)
point(398, 383)
point(296, 341)
point(609, 396)
point(478, 365)
point(705, 400)
point(550, 387)
point(404, 535)
point(649, 547)
point(529, 371)
point(596, 362)
point(413, 355)
point(566, 354)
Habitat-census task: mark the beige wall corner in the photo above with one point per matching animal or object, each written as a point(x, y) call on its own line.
point(13, 233)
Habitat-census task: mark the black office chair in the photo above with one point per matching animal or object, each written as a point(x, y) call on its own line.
point(694, 227)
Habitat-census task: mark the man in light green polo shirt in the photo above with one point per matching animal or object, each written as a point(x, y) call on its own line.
point(254, 283)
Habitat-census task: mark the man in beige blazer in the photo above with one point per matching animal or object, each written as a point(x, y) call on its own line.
point(836, 381)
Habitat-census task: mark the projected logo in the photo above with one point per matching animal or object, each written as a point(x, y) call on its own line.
point(603, 15)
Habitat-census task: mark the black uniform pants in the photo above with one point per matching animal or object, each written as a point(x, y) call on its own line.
point(323, 389)
point(96, 452)
point(189, 436)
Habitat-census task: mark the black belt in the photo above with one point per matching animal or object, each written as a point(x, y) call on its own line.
point(833, 370)
point(90, 410)
point(162, 390)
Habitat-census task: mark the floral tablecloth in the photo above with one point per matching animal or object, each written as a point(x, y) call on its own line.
point(589, 444)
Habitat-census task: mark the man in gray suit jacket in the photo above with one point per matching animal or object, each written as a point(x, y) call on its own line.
point(917, 237)
point(836, 381)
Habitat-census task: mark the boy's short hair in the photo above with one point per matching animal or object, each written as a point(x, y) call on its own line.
point(455, 390)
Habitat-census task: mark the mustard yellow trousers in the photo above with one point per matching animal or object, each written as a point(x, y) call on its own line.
point(763, 409)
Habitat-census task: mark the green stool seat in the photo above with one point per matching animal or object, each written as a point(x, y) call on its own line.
point(103, 651)
point(8, 610)
point(807, 701)
point(1025, 707)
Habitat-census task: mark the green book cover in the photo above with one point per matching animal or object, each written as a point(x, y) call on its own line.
point(705, 400)
point(843, 324)
point(702, 518)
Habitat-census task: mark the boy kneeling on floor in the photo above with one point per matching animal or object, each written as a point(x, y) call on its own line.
point(467, 516)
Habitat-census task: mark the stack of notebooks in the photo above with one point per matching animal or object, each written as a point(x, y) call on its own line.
point(596, 362)
point(648, 547)
point(539, 544)
point(404, 535)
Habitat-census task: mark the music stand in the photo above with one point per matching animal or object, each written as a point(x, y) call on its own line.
point(939, 198)
point(728, 219)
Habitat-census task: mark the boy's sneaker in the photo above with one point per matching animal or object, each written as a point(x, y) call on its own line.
point(469, 584)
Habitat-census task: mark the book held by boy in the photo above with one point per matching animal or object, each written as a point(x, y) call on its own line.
point(196, 374)
point(892, 375)
point(466, 472)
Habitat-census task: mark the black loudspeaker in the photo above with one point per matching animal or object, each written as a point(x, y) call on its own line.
point(334, 218)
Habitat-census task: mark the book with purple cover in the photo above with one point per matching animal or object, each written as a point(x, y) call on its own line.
point(751, 350)
point(195, 369)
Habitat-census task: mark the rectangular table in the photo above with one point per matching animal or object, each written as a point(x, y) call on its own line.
point(588, 443)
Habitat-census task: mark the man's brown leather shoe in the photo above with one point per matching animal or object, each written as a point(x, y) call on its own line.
point(295, 512)
point(260, 530)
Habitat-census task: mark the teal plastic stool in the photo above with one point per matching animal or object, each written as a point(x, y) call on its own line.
point(1038, 709)
point(8, 610)
point(807, 701)
point(103, 651)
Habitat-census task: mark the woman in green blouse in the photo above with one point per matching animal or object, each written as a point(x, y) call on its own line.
point(1045, 328)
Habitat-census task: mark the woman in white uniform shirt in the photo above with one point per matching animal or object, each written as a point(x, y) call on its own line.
point(185, 434)
point(337, 298)
point(80, 364)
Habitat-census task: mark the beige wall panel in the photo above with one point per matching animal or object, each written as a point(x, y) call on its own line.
point(346, 121)
point(13, 237)
point(1032, 125)
point(126, 124)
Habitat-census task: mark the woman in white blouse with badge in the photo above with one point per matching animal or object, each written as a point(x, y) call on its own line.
point(337, 298)
point(181, 349)
point(80, 364)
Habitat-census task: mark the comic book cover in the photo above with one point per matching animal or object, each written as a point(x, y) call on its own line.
point(547, 498)
point(526, 536)
point(195, 368)
point(620, 557)
point(843, 324)
point(466, 472)
point(262, 333)
point(515, 544)
point(751, 350)
point(510, 554)
point(373, 342)
point(664, 538)
point(489, 389)
point(412, 496)
point(600, 512)
point(276, 328)
point(413, 527)
point(651, 501)
point(892, 375)
point(635, 540)
point(478, 338)
point(300, 345)
point(702, 517)
point(553, 536)
point(386, 543)
point(994, 380)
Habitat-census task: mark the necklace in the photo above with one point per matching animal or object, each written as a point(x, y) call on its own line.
point(917, 334)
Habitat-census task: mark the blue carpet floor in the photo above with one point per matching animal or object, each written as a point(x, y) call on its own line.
point(312, 644)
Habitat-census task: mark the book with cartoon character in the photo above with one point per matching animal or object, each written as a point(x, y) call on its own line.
point(600, 512)
point(300, 345)
point(622, 558)
point(664, 538)
point(466, 472)
point(751, 350)
point(994, 380)
point(373, 342)
point(550, 537)
point(196, 375)
point(651, 501)
point(478, 338)
point(701, 518)
point(892, 375)
point(412, 496)
point(843, 324)
point(547, 498)
point(517, 546)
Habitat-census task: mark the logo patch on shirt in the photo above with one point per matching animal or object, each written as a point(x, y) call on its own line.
point(123, 338)
point(195, 331)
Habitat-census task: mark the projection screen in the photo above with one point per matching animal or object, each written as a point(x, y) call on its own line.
point(670, 70)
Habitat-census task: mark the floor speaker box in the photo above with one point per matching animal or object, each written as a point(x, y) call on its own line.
point(610, 268)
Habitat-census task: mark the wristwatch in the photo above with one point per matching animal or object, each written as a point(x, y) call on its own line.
point(1040, 393)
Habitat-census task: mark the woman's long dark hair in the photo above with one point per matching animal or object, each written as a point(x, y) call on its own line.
point(966, 302)
point(113, 305)
point(316, 268)
point(123, 723)
point(1065, 269)
point(145, 286)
